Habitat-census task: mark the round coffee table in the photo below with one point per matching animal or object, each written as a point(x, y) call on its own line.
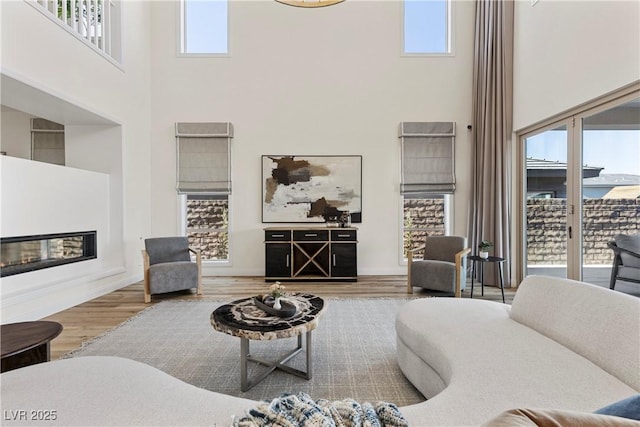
point(241, 318)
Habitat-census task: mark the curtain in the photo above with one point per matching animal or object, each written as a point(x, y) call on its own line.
point(203, 163)
point(427, 157)
point(490, 214)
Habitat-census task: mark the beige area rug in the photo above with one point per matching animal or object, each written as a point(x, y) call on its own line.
point(354, 353)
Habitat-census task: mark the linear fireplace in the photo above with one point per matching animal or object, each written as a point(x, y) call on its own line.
point(28, 253)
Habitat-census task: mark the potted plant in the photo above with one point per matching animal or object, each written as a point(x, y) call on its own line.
point(276, 291)
point(484, 248)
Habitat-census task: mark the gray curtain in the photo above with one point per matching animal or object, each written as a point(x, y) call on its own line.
point(490, 214)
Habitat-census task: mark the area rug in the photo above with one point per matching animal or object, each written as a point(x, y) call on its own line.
point(354, 352)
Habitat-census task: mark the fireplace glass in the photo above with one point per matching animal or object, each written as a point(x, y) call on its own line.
point(28, 253)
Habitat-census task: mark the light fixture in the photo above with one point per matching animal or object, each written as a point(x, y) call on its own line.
point(310, 3)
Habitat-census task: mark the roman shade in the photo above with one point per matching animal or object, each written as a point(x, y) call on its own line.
point(204, 158)
point(47, 141)
point(427, 157)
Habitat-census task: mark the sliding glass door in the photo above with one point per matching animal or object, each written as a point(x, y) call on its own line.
point(610, 185)
point(581, 187)
point(546, 202)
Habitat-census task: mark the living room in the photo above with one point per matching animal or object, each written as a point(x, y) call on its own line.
point(296, 81)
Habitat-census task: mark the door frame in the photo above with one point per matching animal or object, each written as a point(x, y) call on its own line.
point(572, 119)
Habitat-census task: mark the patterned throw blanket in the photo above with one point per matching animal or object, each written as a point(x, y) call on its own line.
point(293, 410)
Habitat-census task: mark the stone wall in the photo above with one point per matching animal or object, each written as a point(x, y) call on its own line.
point(425, 214)
point(602, 219)
point(546, 227)
point(207, 222)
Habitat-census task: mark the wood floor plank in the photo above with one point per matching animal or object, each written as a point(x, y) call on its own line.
point(92, 318)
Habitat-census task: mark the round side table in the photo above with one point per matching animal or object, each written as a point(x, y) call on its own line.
point(494, 259)
point(27, 343)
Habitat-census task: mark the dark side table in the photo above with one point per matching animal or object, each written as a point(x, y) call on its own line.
point(27, 343)
point(482, 261)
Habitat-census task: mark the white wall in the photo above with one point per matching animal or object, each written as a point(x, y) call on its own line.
point(50, 199)
point(570, 52)
point(105, 108)
point(15, 129)
point(325, 81)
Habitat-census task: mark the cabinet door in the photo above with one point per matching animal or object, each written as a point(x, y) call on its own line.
point(344, 260)
point(278, 260)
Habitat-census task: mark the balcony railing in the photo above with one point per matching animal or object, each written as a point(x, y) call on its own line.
point(89, 20)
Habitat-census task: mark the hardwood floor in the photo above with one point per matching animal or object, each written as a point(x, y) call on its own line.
point(92, 318)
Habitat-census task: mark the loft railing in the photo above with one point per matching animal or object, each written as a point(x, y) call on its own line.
point(88, 19)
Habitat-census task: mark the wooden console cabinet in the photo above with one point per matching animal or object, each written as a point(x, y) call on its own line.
point(311, 253)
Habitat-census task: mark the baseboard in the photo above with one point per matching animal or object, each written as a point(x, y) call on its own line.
point(45, 301)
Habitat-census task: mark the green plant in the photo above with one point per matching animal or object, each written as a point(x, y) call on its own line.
point(485, 246)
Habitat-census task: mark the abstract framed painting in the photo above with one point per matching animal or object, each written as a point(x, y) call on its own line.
point(311, 188)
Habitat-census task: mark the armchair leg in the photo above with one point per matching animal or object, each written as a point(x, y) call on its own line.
point(409, 262)
point(147, 286)
point(199, 263)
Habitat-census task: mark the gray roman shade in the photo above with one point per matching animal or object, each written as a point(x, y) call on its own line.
point(427, 157)
point(47, 141)
point(204, 158)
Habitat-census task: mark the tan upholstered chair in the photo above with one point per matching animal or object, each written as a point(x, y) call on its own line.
point(443, 267)
point(168, 266)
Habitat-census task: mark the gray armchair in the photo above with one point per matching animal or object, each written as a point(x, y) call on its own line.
point(626, 259)
point(168, 266)
point(443, 267)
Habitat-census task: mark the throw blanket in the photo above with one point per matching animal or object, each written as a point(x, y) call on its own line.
point(293, 410)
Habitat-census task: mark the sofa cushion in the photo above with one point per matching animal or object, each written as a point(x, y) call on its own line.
point(626, 408)
point(597, 323)
point(173, 276)
point(490, 363)
point(112, 391)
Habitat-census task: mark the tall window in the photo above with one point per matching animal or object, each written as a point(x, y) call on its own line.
point(207, 225)
point(204, 177)
point(427, 180)
point(427, 27)
point(424, 215)
point(204, 27)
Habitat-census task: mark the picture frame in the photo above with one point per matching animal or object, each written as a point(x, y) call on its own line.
point(311, 188)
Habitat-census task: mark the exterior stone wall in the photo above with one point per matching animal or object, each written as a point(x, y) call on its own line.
point(207, 222)
point(602, 219)
point(546, 227)
point(426, 215)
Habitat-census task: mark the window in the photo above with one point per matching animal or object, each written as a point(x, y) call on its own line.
point(204, 27)
point(207, 225)
point(204, 177)
point(427, 180)
point(424, 215)
point(427, 27)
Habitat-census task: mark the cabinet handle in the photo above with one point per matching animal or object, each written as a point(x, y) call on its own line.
point(287, 260)
point(277, 235)
point(334, 260)
point(310, 234)
point(344, 235)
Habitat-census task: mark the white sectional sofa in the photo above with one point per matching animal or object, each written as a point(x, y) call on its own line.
point(562, 344)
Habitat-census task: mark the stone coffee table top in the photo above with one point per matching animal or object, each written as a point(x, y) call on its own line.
point(241, 318)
